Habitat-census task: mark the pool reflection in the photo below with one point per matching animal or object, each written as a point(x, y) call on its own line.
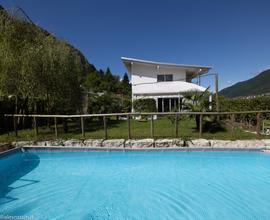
point(13, 168)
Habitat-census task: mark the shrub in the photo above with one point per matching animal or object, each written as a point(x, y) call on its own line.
point(244, 104)
point(145, 105)
point(104, 104)
point(196, 101)
point(171, 118)
point(212, 124)
point(127, 105)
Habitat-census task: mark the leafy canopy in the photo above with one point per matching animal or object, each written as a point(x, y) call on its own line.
point(34, 65)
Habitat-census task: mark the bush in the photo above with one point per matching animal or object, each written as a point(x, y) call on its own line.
point(145, 105)
point(104, 104)
point(213, 125)
point(171, 118)
point(127, 105)
point(244, 104)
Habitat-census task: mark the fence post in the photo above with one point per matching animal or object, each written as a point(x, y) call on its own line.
point(258, 124)
point(7, 122)
point(232, 124)
point(15, 126)
point(35, 126)
point(82, 125)
point(216, 93)
point(152, 126)
point(129, 131)
point(176, 126)
point(105, 127)
point(200, 126)
point(55, 127)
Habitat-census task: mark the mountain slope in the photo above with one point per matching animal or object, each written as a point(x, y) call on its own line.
point(257, 85)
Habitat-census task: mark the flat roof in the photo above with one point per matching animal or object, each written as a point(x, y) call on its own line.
point(174, 87)
point(127, 61)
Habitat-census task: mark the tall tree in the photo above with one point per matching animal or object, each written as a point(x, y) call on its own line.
point(126, 86)
point(35, 66)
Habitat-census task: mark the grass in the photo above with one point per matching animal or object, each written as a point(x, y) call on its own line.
point(163, 128)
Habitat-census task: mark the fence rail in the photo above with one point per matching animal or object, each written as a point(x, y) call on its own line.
point(130, 115)
point(136, 114)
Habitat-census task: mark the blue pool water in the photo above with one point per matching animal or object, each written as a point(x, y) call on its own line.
point(135, 185)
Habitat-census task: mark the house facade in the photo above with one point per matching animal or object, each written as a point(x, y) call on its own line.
point(164, 82)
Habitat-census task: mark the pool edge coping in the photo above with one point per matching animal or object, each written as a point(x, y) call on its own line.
point(9, 151)
point(108, 149)
point(148, 144)
point(73, 148)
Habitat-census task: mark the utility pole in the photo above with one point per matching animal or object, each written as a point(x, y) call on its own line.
point(216, 90)
point(216, 87)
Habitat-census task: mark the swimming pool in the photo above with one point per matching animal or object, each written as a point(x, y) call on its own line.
point(135, 185)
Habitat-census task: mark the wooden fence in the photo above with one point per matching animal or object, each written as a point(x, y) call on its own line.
point(130, 115)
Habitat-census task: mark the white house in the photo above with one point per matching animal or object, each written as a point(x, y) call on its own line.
point(163, 82)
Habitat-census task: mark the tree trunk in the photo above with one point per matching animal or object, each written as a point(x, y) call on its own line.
point(197, 119)
point(65, 125)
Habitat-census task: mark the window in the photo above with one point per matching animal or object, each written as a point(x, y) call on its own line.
point(160, 78)
point(169, 77)
point(165, 78)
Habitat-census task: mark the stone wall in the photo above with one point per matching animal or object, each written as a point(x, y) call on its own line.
point(151, 143)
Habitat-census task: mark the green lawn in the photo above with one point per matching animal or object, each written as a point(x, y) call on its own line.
point(163, 128)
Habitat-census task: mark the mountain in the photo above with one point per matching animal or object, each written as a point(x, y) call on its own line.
point(257, 85)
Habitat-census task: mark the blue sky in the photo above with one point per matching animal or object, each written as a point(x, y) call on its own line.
point(231, 35)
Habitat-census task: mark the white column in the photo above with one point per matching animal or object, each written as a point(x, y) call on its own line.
point(179, 101)
point(156, 103)
point(157, 71)
point(210, 102)
point(132, 96)
point(132, 100)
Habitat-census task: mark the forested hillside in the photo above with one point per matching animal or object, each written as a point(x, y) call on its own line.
point(257, 85)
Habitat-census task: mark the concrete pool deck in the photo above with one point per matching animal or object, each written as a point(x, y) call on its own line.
point(263, 144)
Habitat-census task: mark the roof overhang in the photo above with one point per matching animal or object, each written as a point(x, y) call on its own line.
point(198, 69)
point(176, 87)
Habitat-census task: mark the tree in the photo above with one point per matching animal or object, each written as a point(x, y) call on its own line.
point(125, 85)
point(125, 79)
point(48, 74)
point(145, 105)
point(104, 104)
point(35, 66)
point(110, 85)
point(196, 101)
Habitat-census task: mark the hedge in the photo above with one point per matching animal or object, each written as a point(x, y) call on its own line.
point(145, 105)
